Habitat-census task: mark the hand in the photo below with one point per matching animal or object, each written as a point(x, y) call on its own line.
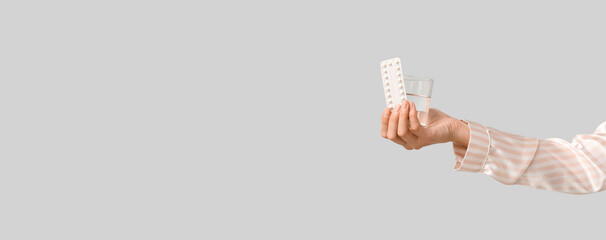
point(403, 127)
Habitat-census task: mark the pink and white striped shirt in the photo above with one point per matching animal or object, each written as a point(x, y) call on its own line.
point(550, 164)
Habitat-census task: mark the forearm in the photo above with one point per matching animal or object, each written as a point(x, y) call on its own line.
point(572, 167)
point(503, 156)
point(552, 164)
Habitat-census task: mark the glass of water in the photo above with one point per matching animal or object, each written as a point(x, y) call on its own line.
point(418, 91)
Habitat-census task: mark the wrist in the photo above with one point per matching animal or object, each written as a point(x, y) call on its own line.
point(461, 133)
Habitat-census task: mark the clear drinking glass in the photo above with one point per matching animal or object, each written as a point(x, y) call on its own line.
point(418, 91)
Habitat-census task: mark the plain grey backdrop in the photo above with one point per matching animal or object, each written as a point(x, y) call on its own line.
point(260, 120)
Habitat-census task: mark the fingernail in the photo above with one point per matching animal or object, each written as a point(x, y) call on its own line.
point(397, 108)
point(386, 112)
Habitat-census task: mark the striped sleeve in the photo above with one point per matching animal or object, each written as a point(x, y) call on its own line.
point(473, 158)
point(576, 167)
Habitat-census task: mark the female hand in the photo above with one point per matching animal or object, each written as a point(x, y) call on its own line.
point(403, 127)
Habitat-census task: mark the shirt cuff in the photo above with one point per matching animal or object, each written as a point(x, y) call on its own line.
point(501, 155)
point(472, 158)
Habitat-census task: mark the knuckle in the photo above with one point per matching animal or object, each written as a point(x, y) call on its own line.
point(407, 147)
point(401, 133)
point(415, 127)
point(391, 137)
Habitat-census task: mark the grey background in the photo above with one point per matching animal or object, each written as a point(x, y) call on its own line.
point(260, 120)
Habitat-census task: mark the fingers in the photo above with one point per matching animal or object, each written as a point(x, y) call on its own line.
point(392, 126)
point(403, 131)
point(416, 128)
point(385, 121)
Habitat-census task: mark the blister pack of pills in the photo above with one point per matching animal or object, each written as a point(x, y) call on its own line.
point(393, 81)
